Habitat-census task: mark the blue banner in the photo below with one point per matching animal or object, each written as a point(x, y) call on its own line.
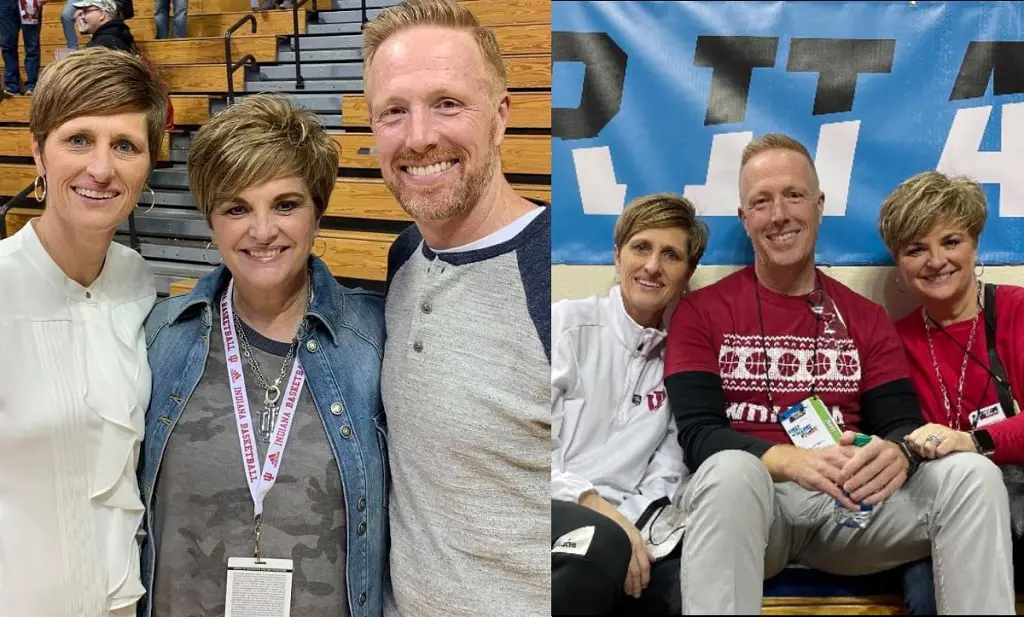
point(663, 96)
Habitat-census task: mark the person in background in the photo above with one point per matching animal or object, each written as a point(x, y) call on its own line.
point(67, 22)
point(757, 366)
point(467, 365)
point(931, 224)
point(20, 16)
point(161, 17)
point(75, 379)
point(268, 365)
point(615, 447)
point(125, 11)
point(100, 19)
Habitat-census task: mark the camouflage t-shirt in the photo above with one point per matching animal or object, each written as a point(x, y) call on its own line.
point(203, 510)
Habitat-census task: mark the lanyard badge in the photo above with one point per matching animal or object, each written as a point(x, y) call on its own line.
point(264, 581)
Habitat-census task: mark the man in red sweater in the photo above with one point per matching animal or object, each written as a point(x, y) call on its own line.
point(744, 350)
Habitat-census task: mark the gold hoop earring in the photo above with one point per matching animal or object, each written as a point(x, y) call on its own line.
point(206, 255)
point(977, 274)
point(152, 201)
point(35, 189)
point(323, 252)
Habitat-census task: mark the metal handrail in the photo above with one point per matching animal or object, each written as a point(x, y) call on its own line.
point(362, 7)
point(246, 59)
point(300, 83)
point(10, 204)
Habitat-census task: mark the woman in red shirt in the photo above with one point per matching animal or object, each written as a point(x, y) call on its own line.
point(931, 224)
point(964, 342)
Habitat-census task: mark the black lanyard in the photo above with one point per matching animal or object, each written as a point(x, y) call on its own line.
point(764, 345)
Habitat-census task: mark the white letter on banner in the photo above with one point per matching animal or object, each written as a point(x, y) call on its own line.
point(837, 143)
point(596, 178)
point(719, 196)
point(962, 156)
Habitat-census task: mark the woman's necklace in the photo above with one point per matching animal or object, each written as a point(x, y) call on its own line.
point(272, 392)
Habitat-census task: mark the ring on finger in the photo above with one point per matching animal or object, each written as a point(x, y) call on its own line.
point(935, 439)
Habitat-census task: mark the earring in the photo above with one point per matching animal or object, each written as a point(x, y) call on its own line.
point(206, 255)
point(35, 189)
point(900, 287)
point(977, 274)
point(152, 201)
point(320, 238)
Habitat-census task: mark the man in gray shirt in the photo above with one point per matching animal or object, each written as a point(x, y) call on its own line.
point(467, 364)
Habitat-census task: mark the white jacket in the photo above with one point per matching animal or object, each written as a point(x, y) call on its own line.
point(611, 427)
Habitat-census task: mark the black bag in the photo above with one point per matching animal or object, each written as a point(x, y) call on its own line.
point(1013, 475)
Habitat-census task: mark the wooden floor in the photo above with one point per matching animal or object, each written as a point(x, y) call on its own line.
point(888, 605)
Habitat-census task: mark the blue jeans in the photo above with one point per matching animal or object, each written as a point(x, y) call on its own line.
point(160, 17)
point(919, 588)
point(67, 21)
point(10, 24)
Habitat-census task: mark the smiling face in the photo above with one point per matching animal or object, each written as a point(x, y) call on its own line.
point(265, 234)
point(781, 207)
point(939, 268)
point(95, 168)
point(653, 269)
point(436, 120)
point(90, 18)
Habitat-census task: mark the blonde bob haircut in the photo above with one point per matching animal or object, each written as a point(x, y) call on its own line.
point(920, 202)
point(443, 13)
point(660, 210)
point(98, 82)
point(261, 138)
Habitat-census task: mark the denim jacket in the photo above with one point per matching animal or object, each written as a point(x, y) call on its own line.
point(341, 342)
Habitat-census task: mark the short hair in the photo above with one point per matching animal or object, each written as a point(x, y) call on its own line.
point(776, 141)
point(920, 202)
point(660, 210)
point(261, 138)
point(98, 82)
point(443, 13)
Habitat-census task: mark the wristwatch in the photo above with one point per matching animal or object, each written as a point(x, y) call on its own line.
point(913, 460)
point(983, 442)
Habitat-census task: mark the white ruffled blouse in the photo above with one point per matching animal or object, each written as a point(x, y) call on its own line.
point(74, 387)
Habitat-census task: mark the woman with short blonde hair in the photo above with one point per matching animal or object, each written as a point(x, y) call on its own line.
point(963, 342)
point(265, 437)
point(616, 460)
point(75, 378)
point(932, 224)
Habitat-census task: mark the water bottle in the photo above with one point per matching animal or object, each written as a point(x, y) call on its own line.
point(843, 515)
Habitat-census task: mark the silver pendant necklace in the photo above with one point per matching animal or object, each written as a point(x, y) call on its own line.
point(271, 392)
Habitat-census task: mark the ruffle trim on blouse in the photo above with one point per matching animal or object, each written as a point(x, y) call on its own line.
point(115, 497)
point(119, 510)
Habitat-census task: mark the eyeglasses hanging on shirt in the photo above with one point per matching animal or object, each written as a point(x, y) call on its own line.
point(828, 323)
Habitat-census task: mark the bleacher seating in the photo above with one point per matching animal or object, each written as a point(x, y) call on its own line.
point(362, 219)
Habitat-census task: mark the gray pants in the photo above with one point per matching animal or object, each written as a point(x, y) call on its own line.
point(742, 528)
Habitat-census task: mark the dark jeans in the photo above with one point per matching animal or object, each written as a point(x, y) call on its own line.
point(591, 583)
point(919, 584)
point(10, 25)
